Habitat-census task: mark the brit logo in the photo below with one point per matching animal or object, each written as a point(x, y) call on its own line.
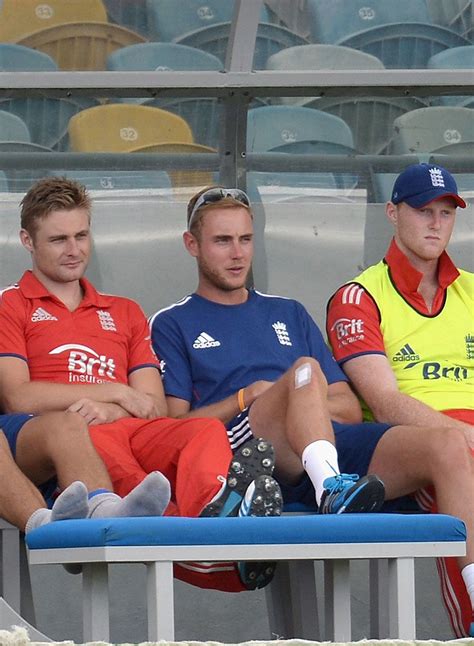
point(42, 315)
point(282, 333)
point(106, 321)
point(85, 365)
point(348, 330)
point(469, 338)
point(204, 341)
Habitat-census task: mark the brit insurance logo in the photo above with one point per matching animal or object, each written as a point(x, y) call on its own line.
point(348, 330)
point(85, 365)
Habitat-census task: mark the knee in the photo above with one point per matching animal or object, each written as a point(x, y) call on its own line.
point(213, 431)
point(449, 449)
point(307, 371)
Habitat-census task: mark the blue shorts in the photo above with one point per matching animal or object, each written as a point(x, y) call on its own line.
point(11, 425)
point(355, 444)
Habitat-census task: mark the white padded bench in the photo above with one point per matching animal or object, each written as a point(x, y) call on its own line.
point(159, 542)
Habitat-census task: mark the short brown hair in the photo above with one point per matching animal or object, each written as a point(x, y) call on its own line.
point(228, 202)
point(52, 194)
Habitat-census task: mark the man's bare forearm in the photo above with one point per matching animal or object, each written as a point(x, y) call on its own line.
point(42, 397)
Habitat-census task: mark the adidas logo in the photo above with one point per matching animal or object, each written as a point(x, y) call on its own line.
point(204, 341)
point(42, 315)
point(406, 354)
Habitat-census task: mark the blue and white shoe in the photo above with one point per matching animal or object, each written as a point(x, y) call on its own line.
point(262, 498)
point(249, 490)
point(254, 458)
point(344, 493)
point(471, 628)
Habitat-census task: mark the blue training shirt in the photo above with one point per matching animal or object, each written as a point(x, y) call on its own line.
point(209, 351)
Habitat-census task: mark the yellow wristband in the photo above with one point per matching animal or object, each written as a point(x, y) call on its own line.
point(240, 399)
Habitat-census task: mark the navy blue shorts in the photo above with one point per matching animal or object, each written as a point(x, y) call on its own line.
point(355, 444)
point(11, 425)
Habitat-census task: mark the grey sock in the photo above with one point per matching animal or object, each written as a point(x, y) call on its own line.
point(71, 503)
point(149, 498)
point(39, 517)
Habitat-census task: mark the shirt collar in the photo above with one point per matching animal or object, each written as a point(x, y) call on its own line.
point(409, 278)
point(31, 287)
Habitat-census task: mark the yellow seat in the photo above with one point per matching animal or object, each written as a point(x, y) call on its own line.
point(81, 45)
point(19, 18)
point(122, 127)
point(181, 179)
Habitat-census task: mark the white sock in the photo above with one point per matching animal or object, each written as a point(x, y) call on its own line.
point(71, 503)
point(149, 498)
point(468, 576)
point(320, 462)
point(39, 517)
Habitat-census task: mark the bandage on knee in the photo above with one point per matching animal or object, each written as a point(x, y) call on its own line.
point(302, 375)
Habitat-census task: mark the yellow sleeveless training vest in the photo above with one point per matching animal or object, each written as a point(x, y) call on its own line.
point(432, 356)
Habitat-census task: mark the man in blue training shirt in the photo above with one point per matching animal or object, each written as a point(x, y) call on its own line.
point(259, 363)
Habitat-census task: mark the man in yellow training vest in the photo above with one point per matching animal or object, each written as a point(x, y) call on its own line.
point(403, 333)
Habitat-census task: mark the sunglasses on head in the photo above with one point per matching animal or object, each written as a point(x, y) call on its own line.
point(217, 194)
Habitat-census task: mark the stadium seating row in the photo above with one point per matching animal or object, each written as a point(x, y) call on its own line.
point(80, 34)
point(120, 127)
point(370, 118)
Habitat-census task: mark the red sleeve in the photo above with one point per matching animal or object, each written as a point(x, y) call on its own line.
point(141, 353)
point(12, 324)
point(353, 324)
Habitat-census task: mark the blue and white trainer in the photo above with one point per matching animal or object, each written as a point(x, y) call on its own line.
point(262, 498)
point(254, 458)
point(344, 493)
point(249, 490)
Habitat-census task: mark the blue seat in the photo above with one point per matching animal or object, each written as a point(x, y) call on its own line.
point(454, 58)
point(170, 20)
point(12, 128)
point(47, 119)
point(17, 58)
point(271, 127)
point(132, 14)
point(159, 542)
point(161, 56)
point(447, 130)
point(119, 179)
point(333, 21)
point(15, 137)
point(398, 33)
point(270, 39)
point(202, 113)
point(300, 130)
point(369, 117)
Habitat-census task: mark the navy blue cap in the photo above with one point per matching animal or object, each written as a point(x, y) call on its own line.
point(420, 184)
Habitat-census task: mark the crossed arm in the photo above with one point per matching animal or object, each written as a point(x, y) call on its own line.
point(98, 403)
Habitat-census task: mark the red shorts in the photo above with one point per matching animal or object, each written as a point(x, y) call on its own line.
point(191, 453)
